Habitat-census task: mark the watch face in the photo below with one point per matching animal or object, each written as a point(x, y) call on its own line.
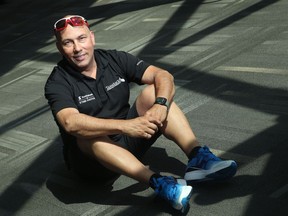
point(161, 101)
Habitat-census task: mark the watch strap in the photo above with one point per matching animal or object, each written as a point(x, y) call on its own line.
point(162, 101)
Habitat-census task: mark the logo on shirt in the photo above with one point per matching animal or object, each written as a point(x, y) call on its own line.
point(85, 98)
point(138, 63)
point(114, 84)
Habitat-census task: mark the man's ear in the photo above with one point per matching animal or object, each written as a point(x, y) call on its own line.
point(92, 35)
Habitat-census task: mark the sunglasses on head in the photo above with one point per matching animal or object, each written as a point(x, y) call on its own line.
point(73, 21)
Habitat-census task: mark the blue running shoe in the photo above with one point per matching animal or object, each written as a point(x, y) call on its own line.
point(176, 194)
point(207, 167)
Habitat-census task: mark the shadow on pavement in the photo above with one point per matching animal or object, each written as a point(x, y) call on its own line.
point(272, 141)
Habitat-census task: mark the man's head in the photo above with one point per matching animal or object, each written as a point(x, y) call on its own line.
point(75, 41)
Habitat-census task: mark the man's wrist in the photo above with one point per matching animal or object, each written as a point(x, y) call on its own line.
point(162, 101)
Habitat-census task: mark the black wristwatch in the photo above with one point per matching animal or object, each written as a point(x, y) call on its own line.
point(162, 101)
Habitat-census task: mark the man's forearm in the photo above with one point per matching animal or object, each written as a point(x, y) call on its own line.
point(164, 83)
point(84, 126)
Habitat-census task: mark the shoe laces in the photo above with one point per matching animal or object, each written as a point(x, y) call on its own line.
point(203, 157)
point(166, 187)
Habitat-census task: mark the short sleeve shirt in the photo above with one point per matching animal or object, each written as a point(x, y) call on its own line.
point(107, 96)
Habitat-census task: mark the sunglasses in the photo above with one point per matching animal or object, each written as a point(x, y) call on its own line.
point(73, 21)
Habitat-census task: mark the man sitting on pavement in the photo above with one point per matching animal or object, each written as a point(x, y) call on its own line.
point(88, 92)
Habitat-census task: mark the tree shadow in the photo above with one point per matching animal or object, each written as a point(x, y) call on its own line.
point(29, 180)
point(273, 140)
point(29, 28)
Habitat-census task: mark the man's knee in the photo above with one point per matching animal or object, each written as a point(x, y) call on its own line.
point(145, 100)
point(87, 167)
point(86, 146)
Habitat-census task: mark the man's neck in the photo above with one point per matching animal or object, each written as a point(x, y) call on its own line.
point(91, 71)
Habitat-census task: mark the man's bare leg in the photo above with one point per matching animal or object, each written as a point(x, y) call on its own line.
point(115, 158)
point(179, 130)
point(176, 127)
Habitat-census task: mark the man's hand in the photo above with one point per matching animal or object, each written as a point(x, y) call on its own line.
point(157, 114)
point(140, 127)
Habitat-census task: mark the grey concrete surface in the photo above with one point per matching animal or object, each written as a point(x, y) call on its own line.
point(229, 60)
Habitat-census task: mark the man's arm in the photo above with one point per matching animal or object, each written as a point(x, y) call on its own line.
point(85, 126)
point(163, 83)
point(162, 80)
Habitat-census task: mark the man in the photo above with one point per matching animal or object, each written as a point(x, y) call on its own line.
point(88, 92)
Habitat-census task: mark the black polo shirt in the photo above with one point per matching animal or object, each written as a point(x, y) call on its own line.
point(107, 96)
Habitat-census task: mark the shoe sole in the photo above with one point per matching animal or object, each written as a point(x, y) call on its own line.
point(183, 200)
point(181, 181)
point(224, 172)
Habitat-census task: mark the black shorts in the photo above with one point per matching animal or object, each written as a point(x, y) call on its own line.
point(88, 168)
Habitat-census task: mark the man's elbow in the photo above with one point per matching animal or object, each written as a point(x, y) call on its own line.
point(69, 126)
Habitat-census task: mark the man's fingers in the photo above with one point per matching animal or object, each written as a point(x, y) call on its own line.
point(147, 135)
point(156, 123)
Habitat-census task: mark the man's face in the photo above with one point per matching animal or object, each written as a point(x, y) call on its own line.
point(76, 44)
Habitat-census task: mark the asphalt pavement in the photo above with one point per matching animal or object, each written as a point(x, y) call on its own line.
point(229, 60)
